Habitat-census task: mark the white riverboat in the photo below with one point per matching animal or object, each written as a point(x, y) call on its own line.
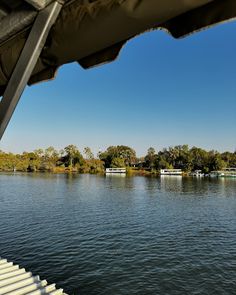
point(216, 174)
point(226, 172)
point(197, 173)
point(175, 172)
point(115, 170)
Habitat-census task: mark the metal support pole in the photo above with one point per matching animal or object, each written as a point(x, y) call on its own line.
point(27, 61)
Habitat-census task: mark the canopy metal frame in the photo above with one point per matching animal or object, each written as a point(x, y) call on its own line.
point(27, 61)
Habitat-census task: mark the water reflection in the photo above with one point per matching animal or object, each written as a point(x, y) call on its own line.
point(119, 181)
point(171, 183)
point(115, 174)
point(151, 185)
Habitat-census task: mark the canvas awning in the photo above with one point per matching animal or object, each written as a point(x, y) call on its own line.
point(38, 36)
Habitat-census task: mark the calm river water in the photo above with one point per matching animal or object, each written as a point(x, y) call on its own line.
point(122, 235)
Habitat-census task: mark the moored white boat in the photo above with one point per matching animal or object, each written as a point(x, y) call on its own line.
point(226, 172)
point(197, 173)
point(115, 170)
point(175, 172)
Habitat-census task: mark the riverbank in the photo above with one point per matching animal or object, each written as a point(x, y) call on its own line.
point(71, 160)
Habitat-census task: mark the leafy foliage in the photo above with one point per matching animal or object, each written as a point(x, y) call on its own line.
point(181, 157)
point(121, 151)
point(70, 159)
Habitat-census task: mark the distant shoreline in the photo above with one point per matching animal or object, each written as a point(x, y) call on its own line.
point(130, 173)
point(71, 160)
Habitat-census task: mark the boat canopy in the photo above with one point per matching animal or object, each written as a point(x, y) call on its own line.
point(38, 36)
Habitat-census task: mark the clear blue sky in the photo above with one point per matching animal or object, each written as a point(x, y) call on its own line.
point(160, 92)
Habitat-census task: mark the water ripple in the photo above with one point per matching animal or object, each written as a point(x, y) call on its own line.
point(97, 235)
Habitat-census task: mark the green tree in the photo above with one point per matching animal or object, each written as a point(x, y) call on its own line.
point(121, 151)
point(199, 159)
point(215, 161)
point(88, 153)
point(73, 156)
point(51, 156)
point(150, 158)
point(117, 163)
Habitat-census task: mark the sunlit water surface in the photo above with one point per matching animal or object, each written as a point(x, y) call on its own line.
point(122, 235)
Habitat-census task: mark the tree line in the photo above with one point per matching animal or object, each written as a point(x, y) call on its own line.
point(71, 159)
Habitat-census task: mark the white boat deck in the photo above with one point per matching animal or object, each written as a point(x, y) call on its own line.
point(115, 170)
point(17, 281)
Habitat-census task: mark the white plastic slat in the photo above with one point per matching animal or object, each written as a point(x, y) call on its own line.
point(56, 292)
point(18, 285)
point(9, 269)
point(15, 279)
point(12, 274)
point(44, 290)
point(28, 288)
point(5, 265)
